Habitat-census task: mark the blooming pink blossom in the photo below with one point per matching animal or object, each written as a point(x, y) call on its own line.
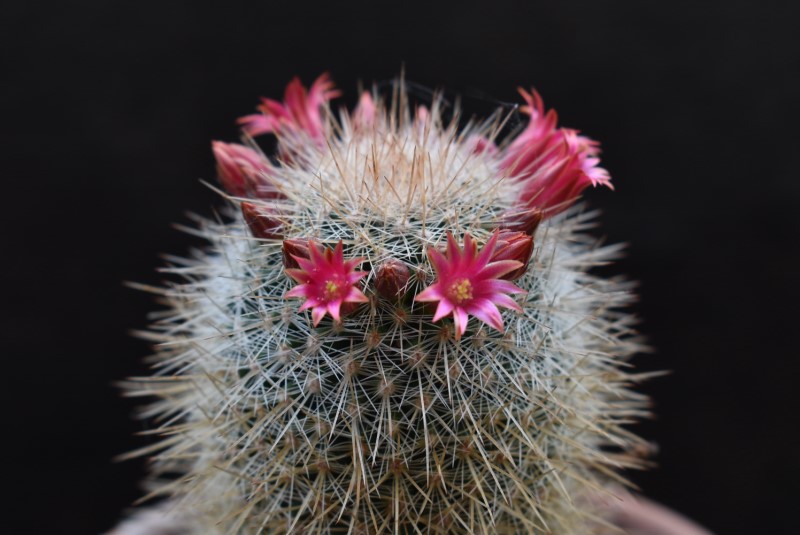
point(327, 281)
point(469, 283)
point(534, 143)
point(299, 111)
point(554, 164)
point(243, 171)
point(572, 169)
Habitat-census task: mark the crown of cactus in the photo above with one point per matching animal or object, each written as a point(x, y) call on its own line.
point(395, 331)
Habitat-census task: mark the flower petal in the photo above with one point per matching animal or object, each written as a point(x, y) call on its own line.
point(497, 286)
point(333, 309)
point(445, 307)
point(497, 269)
point(298, 291)
point(453, 250)
point(356, 296)
point(318, 313)
point(431, 293)
point(487, 251)
point(440, 263)
point(505, 301)
point(487, 312)
point(460, 320)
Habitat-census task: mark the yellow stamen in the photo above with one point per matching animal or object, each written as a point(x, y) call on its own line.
point(460, 291)
point(331, 290)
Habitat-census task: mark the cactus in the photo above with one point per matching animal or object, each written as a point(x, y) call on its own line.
point(394, 329)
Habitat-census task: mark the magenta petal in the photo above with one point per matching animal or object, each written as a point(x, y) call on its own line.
point(505, 301)
point(487, 312)
point(318, 313)
point(353, 262)
point(334, 307)
point(298, 275)
point(487, 251)
point(494, 287)
point(497, 269)
point(305, 263)
point(469, 247)
point(356, 296)
point(317, 257)
point(338, 254)
point(440, 263)
point(453, 251)
point(311, 302)
point(356, 276)
point(256, 124)
point(431, 293)
point(460, 320)
point(298, 291)
point(445, 307)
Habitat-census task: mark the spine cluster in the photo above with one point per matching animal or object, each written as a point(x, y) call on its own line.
point(396, 331)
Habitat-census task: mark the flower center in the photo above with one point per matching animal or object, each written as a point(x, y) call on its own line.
point(460, 291)
point(331, 292)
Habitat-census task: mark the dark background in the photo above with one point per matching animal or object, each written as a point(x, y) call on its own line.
point(108, 109)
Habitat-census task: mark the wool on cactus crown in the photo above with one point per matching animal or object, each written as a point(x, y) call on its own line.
point(336, 361)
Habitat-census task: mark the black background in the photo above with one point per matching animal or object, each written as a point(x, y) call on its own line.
point(108, 109)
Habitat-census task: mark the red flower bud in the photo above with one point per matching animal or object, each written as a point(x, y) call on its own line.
point(525, 221)
point(262, 223)
point(243, 172)
point(391, 279)
point(513, 245)
point(292, 248)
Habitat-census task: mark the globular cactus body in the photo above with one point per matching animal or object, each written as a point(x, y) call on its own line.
point(398, 332)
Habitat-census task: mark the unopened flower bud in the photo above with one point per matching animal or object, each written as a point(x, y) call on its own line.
point(294, 248)
point(513, 245)
point(364, 114)
point(391, 279)
point(262, 223)
point(526, 221)
point(241, 169)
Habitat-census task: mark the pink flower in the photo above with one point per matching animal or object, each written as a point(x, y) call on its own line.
point(532, 147)
point(572, 169)
point(554, 164)
point(468, 283)
point(327, 281)
point(243, 171)
point(299, 111)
